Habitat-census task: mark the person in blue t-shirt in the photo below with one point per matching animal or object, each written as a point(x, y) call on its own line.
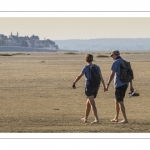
point(90, 92)
point(120, 87)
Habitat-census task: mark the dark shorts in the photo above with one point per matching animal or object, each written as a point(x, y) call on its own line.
point(90, 91)
point(120, 92)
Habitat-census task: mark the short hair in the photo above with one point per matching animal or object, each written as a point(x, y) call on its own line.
point(89, 58)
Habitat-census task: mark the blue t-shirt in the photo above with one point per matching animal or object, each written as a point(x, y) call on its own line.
point(86, 71)
point(116, 67)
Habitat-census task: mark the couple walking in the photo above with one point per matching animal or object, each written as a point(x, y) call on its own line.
point(91, 92)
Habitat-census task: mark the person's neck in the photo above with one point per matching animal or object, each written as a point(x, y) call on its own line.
point(118, 57)
point(89, 63)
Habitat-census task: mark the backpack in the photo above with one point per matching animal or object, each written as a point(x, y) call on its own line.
point(95, 79)
point(126, 72)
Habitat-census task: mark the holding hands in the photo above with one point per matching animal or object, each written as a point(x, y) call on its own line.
point(105, 89)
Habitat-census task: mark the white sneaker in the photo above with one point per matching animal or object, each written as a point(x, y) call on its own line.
point(131, 94)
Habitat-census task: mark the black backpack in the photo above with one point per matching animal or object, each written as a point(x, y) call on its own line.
point(126, 72)
point(95, 79)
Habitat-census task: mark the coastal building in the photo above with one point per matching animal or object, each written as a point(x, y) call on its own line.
point(27, 42)
point(3, 40)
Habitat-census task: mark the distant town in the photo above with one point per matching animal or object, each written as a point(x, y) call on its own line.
point(17, 43)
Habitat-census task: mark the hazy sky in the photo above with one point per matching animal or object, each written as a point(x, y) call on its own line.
point(58, 28)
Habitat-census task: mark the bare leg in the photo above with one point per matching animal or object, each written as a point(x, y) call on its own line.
point(117, 108)
point(122, 108)
point(88, 108)
point(93, 106)
point(87, 111)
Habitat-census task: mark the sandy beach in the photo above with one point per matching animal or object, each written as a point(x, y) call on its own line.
point(36, 94)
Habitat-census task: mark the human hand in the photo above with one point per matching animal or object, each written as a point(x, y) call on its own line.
point(105, 89)
point(74, 86)
point(131, 89)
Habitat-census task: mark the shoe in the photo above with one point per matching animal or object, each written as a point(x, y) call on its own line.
point(133, 94)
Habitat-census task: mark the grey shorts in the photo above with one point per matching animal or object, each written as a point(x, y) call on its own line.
point(120, 92)
point(90, 91)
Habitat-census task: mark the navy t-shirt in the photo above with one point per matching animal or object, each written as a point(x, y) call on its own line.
point(86, 71)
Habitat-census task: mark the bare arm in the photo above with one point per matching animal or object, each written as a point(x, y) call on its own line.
point(77, 79)
point(131, 86)
point(102, 81)
point(110, 79)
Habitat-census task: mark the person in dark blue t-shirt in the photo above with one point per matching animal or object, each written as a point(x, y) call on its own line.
point(90, 92)
point(120, 87)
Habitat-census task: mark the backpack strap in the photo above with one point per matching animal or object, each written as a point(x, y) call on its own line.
point(90, 67)
point(124, 63)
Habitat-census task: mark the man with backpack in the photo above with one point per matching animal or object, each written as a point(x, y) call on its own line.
point(93, 78)
point(122, 73)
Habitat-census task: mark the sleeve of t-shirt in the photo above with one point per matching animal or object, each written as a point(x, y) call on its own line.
point(114, 66)
point(83, 70)
point(99, 70)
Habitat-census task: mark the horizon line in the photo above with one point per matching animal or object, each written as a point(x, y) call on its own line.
point(102, 38)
